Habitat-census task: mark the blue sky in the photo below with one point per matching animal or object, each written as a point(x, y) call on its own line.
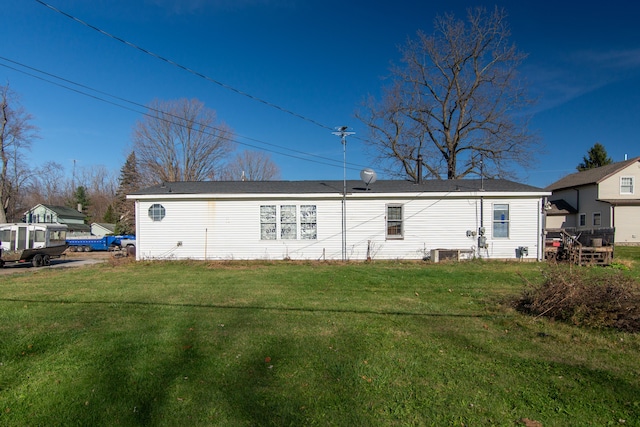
point(316, 58)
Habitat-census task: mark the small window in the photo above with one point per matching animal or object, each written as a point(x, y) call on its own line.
point(500, 220)
point(582, 220)
point(156, 212)
point(394, 222)
point(268, 222)
point(626, 185)
point(597, 219)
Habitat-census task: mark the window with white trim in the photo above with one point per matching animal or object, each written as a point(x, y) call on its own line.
point(626, 185)
point(156, 212)
point(500, 220)
point(268, 222)
point(308, 222)
point(394, 222)
point(288, 222)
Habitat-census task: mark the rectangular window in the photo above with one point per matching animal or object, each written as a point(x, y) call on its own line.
point(626, 185)
point(284, 221)
point(268, 223)
point(597, 220)
point(500, 220)
point(394, 222)
point(582, 220)
point(308, 224)
point(288, 222)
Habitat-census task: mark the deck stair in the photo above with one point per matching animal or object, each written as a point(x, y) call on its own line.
point(577, 253)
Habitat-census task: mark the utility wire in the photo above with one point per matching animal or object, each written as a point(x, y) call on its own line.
point(303, 155)
point(182, 67)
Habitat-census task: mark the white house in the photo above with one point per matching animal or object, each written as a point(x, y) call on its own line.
point(50, 214)
point(225, 220)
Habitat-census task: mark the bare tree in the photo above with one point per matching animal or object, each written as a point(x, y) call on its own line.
point(16, 133)
point(252, 166)
point(47, 184)
point(456, 100)
point(180, 141)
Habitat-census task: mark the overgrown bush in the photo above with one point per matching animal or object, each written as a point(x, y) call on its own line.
point(600, 299)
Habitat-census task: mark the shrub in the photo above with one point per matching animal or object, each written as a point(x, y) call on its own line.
point(584, 297)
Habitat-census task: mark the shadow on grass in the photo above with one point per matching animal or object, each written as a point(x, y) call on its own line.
point(247, 307)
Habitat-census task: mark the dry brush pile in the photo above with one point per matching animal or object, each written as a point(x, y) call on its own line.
point(609, 299)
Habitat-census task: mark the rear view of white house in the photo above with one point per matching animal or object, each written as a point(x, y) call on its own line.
point(303, 220)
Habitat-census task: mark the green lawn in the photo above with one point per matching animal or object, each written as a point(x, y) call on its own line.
point(298, 344)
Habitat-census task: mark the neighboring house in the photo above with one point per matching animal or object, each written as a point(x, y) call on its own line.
point(604, 197)
point(58, 214)
point(303, 220)
point(102, 229)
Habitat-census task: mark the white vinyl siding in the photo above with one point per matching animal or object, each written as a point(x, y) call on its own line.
point(233, 229)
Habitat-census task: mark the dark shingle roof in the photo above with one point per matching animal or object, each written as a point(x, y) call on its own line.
point(590, 176)
point(327, 187)
point(65, 212)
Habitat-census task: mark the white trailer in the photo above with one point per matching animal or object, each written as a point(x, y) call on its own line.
point(36, 243)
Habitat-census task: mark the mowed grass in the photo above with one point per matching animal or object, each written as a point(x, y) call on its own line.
point(302, 344)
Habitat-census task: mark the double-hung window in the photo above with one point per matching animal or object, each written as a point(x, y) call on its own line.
point(500, 220)
point(597, 219)
point(394, 222)
point(626, 185)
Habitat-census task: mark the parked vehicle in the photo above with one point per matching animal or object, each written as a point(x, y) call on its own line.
point(95, 243)
point(36, 243)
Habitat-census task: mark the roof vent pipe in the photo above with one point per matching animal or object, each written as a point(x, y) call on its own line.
point(419, 170)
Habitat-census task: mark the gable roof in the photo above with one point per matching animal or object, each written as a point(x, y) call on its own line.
point(61, 211)
point(333, 187)
point(590, 176)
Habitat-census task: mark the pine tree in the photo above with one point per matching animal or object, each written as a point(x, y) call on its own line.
point(110, 216)
point(596, 157)
point(128, 182)
point(81, 202)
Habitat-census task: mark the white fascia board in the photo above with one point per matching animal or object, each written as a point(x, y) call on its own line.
point(328, 196)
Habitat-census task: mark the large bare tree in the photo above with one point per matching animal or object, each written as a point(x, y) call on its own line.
point(456, 100)
point(251, 166)
point(180, 140)
point(16, 134)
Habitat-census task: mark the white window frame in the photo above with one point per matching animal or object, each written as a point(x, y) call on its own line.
point(394, 223)
point(288, 222)
point(627, 188)
point(499, 224)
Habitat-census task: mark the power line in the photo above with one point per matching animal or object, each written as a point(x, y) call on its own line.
point(182, 67)
point(322, 160)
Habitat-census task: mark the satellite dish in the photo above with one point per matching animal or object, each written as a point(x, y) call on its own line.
point(368, 176)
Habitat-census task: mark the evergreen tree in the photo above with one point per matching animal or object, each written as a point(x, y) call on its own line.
point(81, 202)
point(596, 157)
point(128, 182)
point(110, 216)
